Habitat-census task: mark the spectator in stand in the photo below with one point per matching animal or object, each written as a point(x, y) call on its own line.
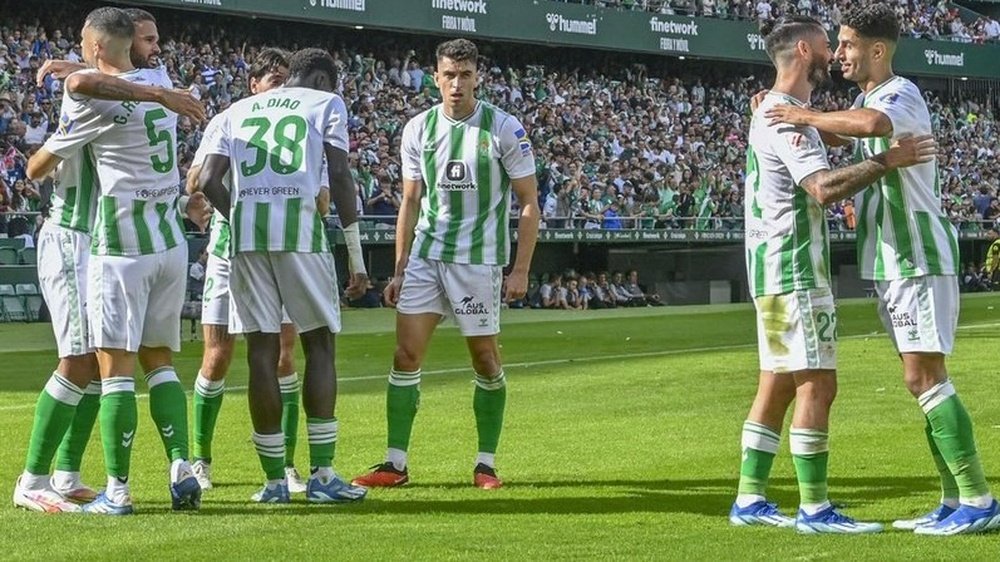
point(603, 294)
point(385, 203)
point(638, 292)
point(575, 299)
point(552, 294)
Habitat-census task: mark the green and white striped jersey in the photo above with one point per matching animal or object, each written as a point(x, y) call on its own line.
point(218, 230)
point(466, 167)
point(131, 147)
point(787, 241)
point(902, 230)
point(275, 144)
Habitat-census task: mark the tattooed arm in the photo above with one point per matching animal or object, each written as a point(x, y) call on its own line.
point(107, 87)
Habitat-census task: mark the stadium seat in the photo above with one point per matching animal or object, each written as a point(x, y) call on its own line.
point(16, 243)
point(13, 308)
point(8, 256)
point(23, 289)
point(7, 290)
point(29, 256)
point(33, 304)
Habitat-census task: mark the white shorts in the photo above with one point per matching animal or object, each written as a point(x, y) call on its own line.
point(215, 296)
point(920, 313)
point(468, 293)
point(63, 255)
point(797, 331)
point(261, 283)
point(136, 301)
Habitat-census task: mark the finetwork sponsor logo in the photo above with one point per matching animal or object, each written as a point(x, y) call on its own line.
point(673, 27)
point(469, 6)
point(935, 58)
point(456, 177)
point(352, 5)
point(582, 27)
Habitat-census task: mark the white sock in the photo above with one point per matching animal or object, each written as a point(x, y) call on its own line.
point(180, 469)
point(117, 491)
point(951, 502)
point(745, 500)
point(814, 508)
point(981, 502)
point(397, 457)
point(66, 480)
point(31, 481)
point(272, 484)
point(323, 473)
point(489, 459)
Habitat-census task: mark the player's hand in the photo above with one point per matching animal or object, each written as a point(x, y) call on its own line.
point(391, 292)
point(181, 102)
point(911, 150)
point(199, 210)
point(357, 286)
point(59, 69)
point(517, 286)
point(757, 99)
point(788, 114)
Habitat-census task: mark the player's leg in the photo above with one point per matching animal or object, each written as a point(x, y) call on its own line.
point(923, 319)
point(288, 383)
point(167, 401)
point(760, 439)
point(58, 413)
point(256, 313)
point(69, 457)
point(209, 387)
point(422, 306)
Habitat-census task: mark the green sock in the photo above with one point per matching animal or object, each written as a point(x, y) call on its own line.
point(810, 453)
point(949, 488)
point(207, 403)
point(119, 418)
point(271, 451)
point(290, 414)
point(488, 403)
point(69, 457)
point(322, 441)
point(402, 399)
point(168, 407)
point(54, 413)
point(760, 445)
point(951, 428)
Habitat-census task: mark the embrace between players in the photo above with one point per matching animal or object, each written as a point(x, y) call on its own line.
point(270, 165)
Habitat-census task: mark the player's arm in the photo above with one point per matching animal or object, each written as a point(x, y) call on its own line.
point(526, 191)
point(406, 222)
point(41, 164)
point(59, 69)
point(830, 186)
point(106, 87)
point(343, 193)
point(210, 176)
point(80, 124)
point(859, 123)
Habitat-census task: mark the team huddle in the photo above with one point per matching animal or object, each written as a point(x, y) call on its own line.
point(113, 254)
point(269, 168)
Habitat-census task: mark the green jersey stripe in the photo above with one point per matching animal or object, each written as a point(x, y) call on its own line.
point(168, 234)
point(142, 233)
point(927, 242)
point(430, 182)
point(949, 232)
point(107, 211)
point(759, 270)
point(261, 218)
point(83, 203)
point(483, 182)
point(235, 224)
point(802, 254)
point(861, 222)
point(503, 217)
point(879, 226)
point(787, 264)
point(318, 235)
point(292, 210)
point(69, 206)
point(892, 187)
point(753, 170)
point(456, 139)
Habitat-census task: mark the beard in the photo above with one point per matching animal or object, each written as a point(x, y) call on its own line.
point(819, 72)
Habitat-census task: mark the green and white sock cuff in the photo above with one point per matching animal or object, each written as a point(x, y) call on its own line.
point(93, 388)
point(936, 395)
point(117, 384)
point(269, 445)
point(496, 383)
point(760, 438)
point(62, 390)
point(808, 441)
point(321, 431)
point(403, 378)
point(289, 384)
point(163, 375)
point(208, 388)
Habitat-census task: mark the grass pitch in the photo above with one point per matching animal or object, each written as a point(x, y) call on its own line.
point(621, 441)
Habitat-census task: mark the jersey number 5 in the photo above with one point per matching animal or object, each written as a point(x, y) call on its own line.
point(156, 137)
point(289, 132)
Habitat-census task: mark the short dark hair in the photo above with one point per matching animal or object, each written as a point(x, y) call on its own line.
point(269, 59)
point(458, 50)
point(304, 62)
point(110, 21)
point(781, 35)
point(138, 14)
point(873, 21)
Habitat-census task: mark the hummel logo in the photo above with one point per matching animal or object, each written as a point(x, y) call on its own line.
point(914, 335)
point(167, 431)
point(127, 438)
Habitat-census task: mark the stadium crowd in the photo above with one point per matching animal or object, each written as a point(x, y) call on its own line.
point(659, 143)
point(919, 18)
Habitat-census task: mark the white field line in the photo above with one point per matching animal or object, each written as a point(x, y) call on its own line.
point(546, 362)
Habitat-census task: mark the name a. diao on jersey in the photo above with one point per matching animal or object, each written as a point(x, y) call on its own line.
point(285, 103)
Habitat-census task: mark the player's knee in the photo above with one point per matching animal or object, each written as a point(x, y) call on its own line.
point(486, 363)
point(286, 362)
point(922, 374)
point(819, 392)
point(80, 369)
point(406, 358)
point(152, 358)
